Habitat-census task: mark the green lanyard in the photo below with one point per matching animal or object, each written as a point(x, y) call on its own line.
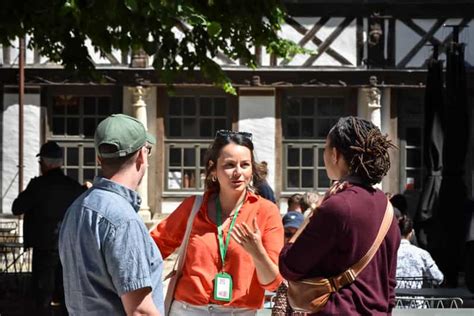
point(220, 233)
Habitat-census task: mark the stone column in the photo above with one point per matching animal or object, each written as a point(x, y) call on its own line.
point(369, 105)
point(140, 113)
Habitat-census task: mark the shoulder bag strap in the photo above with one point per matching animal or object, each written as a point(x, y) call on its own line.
point(350, 274)
point(179, 263)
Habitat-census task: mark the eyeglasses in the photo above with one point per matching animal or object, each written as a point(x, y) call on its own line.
point(148, 148)
point(223, 133)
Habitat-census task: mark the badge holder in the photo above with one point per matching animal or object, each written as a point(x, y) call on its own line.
point(223, 287)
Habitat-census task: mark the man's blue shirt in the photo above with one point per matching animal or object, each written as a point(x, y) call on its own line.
point(106, 251)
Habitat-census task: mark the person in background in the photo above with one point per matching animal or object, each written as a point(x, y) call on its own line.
point(281, 307)
point(263, 188)
point(310, 202)
point(43, 204)
point(400, 202)
point(111, 266)
point(414, 262)
point(356, 157)
point(224, 275)
point(294, 203)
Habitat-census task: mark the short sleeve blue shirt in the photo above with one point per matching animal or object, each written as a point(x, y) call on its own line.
point(106, 251)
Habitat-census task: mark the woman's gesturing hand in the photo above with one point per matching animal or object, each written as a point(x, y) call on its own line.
point(249, 238)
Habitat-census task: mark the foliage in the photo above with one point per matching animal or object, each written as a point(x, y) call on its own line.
point(59, 28)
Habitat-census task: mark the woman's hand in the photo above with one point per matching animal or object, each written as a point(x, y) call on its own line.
point(249, 238)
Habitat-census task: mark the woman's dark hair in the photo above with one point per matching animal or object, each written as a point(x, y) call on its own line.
point(214, 151)
point(406, 225)
point(363, 146)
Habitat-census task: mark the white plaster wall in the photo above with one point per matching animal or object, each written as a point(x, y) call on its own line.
point(169, 205)
point(406, 38)
point(257, 116)
point(9, 145)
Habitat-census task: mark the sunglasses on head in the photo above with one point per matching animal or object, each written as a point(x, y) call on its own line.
point(223, 133)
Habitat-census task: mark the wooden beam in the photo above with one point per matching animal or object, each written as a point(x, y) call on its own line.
point(409, 56)
point(303, 31)
point(329, 40)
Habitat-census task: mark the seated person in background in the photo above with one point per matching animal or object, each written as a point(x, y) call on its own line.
point(414, 262)
point(294, 203)
point(263, 188)
point(310, 201)
point(291, 222)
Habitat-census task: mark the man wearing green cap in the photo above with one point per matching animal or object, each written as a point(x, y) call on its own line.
point(111, 266)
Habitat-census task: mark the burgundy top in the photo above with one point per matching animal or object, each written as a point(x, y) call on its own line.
point(337, 237)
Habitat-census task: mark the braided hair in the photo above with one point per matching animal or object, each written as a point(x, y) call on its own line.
point(363, 146)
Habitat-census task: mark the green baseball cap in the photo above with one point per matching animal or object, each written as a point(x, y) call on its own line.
point(124, 132)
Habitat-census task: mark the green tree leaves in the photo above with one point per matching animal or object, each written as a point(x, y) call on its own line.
point(181, 35)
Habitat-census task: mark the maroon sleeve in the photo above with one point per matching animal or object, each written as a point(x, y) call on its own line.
point(321, 236)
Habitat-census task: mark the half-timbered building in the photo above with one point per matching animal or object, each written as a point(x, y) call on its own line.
point(368, 58)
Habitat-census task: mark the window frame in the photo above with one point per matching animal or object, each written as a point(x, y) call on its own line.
point(185, 141)
point(308, 142)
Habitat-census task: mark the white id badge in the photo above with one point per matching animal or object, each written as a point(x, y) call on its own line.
point(223, 287)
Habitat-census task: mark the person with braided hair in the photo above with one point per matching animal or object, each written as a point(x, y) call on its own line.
point(347, 222)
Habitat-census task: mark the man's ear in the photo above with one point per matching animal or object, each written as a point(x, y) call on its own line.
point(141, 157)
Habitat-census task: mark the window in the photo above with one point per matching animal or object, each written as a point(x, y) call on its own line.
point(74, 114)
point(306, 122)
point(411, 139)
point(191, 125)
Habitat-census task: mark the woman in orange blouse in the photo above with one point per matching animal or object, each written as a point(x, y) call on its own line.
point(225, 272)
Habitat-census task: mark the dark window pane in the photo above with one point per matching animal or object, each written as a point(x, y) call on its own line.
point(72, 156)
point(292, 128)
point(307, 154)
point(220, 124)
point(338, 103)
point(413, 136)
point(293, 107)
point(307, 178)
point(205, 127)
point(189, 157)
point(104, 105)
point(175, 157)
point(73, 126)
point(307, 106)
point(324, 125)
point(89, 126)
point(320, 157)
point(73, 106)
point(175, 106)
point(414, 158)
point(175, 127)
point(324, 102)
point(293, 156)
point(174, 179)
point(206, 106)
point(89, 157)
point(220, 106)
point(202, 153)
point(293, 179)
point(58, 126)
point(89, 105)
point(189, 179)
point(73, 173)
point(59, 105)
point(323, 180)
point(307, 128)
point(189, 127)
point(88, 175)
point(189, 106)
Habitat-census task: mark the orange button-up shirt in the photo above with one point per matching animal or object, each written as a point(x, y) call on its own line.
point(196, 285)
